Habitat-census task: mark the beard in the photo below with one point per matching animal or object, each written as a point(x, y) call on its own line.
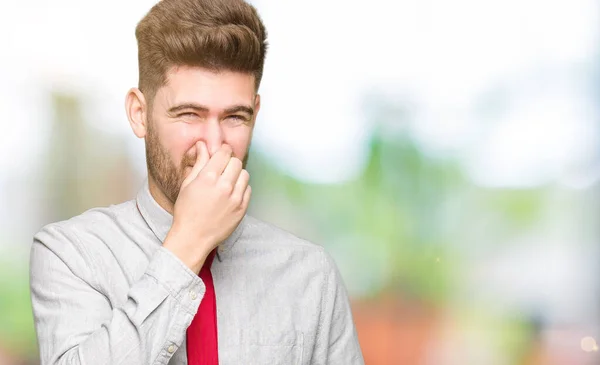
point(169, 176)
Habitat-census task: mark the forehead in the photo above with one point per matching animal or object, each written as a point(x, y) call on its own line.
point(217, 90)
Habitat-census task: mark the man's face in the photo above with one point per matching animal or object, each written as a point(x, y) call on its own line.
point(197, 105)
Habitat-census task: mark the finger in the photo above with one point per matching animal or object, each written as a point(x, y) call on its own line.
point(218, 161)
point(246, 199)
point(240, 186)
point(232, 172)
point(202, 157)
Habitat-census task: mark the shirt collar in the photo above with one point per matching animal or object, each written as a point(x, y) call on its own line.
point(160, 221)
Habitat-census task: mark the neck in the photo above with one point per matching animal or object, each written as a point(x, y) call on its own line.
point(159, 196)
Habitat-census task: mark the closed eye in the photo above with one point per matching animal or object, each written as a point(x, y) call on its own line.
point(187, 115)
point(236, 118)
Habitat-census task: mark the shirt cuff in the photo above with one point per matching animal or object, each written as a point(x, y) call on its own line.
point(181, 282)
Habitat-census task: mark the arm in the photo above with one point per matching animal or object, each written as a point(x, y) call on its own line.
point(76, 324)
point(337, 341)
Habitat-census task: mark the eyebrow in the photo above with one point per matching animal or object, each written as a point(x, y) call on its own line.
point(203, 109)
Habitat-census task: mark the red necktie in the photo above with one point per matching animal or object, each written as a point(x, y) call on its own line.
point(202, 346)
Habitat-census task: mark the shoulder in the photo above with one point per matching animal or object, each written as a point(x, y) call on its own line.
point(264, 233)
point(266, 237)
point(66, 238)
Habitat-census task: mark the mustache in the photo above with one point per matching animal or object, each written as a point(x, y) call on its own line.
point(188, 160)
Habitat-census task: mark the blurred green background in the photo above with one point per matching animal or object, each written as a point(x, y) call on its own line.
point(445, 153)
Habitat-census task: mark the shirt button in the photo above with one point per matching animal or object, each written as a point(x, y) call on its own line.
point(193, 295)
point(171, 349)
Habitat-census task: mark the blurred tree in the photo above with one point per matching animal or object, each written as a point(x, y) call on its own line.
point(86, 168)
point(17, 334)
point(388, 227)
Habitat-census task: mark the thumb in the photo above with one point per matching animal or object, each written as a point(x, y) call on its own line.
point(202, 158)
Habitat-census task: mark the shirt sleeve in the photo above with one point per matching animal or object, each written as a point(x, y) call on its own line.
point(77, 324)
point(337, 341)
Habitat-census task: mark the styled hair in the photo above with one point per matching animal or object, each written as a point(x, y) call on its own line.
point(219, 35)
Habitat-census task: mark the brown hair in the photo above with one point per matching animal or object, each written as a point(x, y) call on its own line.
point(214, 34)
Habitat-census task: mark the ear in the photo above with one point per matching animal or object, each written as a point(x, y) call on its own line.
point(136, 109)
point(256, 108)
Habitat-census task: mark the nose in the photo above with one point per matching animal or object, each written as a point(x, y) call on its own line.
point(212, 135)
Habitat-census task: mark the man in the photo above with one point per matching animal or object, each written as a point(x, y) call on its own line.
point(181, 274)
